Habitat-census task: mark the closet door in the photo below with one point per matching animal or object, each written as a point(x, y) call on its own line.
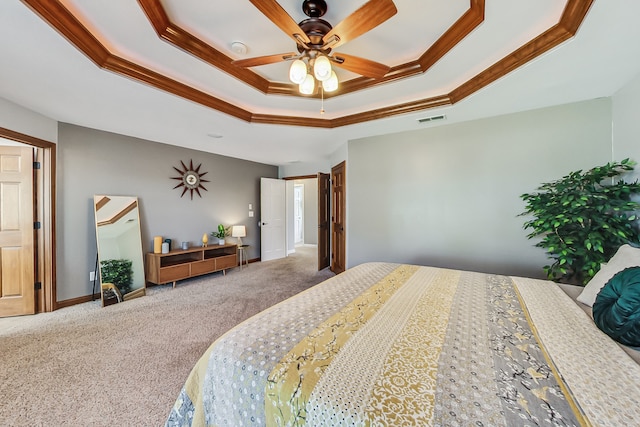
point(323, 220)
point(16, 231)
point(338, 218)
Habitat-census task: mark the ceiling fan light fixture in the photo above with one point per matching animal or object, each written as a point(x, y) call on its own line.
point(308, 86)
point(331, 83)
point(298, 71)
point(322, 68)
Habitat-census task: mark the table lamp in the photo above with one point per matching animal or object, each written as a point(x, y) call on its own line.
point(239, 231)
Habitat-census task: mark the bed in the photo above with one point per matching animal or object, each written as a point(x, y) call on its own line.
point(393, 344)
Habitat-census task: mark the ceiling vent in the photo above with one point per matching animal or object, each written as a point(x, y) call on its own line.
point(432, 118)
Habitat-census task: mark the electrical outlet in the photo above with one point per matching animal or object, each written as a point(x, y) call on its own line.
point(92, 276)
point(250, 206)
point(250, 214)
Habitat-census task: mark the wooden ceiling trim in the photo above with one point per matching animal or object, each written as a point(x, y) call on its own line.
point(72, 29)
point(118, 215)
point(102, 202)
point(396, 73)
point(61, 19)
point(182, 39)
point(573, 14)
point(468, 22)
point(395, 110)
point(272, 119)
point(159, 81)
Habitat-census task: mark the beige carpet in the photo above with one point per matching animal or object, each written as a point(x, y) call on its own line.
point(125, 364)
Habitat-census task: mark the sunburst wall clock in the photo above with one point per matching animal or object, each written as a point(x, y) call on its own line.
point(190, 178)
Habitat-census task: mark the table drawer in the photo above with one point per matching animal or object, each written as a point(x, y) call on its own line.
point(202, 267)
point(173, 273)
point(227, 261)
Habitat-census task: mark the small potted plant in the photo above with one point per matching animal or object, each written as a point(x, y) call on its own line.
point(221, 233)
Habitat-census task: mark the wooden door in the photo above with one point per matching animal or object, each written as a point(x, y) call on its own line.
point(273, 241)
point(338, 218)
point(323, 220)
point(16, 232)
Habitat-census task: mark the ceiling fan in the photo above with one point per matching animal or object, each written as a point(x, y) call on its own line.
point(316, 39)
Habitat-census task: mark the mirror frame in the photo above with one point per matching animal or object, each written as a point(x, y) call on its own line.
point(118, 215)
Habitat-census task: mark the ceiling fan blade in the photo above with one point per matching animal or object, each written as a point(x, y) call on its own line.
point(367, 17)
point(272, 10)
point(364, 67)
point(263, 60)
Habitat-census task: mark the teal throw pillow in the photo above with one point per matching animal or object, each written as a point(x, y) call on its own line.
point(617, 308)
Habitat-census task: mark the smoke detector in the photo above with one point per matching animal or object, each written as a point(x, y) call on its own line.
point(239, 48)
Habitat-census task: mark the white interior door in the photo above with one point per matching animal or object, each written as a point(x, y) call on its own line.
point(272, 222)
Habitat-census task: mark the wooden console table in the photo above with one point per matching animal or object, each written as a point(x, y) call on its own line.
point(185, 263)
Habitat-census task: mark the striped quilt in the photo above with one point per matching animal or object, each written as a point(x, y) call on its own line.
point(402, 345)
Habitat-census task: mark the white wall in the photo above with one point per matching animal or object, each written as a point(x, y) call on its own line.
point(303, 168)
point(19, 119)
point(449, 196)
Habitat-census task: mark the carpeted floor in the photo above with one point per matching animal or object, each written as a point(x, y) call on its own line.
point(125, 364)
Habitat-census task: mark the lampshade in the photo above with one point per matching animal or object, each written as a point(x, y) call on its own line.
point(308, 86)
point(331, 83)
point(238, 231)
point(322, 68)
point(301, 74)
point(297, 71)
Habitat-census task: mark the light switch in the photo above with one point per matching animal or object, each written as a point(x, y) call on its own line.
point(250, 214)
point(250, 206)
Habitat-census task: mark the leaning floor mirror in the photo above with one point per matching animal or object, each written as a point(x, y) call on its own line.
point(121, 265)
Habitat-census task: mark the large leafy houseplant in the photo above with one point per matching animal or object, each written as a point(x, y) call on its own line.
point(119, 272)
point(582, 219)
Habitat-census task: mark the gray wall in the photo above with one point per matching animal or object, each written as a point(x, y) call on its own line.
point(95, 162)
point(449, 196)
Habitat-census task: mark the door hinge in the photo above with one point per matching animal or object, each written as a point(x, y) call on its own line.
point(37, 286)
point(37, 225)
point(36, 165)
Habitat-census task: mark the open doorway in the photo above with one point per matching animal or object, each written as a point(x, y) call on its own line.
point(314, 219)
point(304, 213)
point(306, 221)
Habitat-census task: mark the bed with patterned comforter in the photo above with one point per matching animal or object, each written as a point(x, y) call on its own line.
point(394, 345)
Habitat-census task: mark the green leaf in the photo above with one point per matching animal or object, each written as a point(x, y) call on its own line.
point(582, 218)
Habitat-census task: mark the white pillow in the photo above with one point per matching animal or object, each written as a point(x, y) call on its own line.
point(626, 256)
